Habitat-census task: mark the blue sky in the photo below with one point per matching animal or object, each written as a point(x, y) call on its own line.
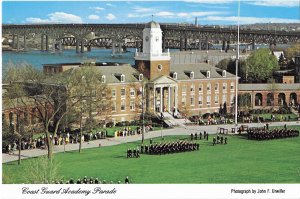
point(207, 11)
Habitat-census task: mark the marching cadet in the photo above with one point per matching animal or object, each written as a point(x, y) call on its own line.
point(225, 140)
point(214, 141)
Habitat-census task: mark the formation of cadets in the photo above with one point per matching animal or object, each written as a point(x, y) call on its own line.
point(265, 134)
point(171, 147)
point(90, 180)
point(135, 153)
point(219, 140)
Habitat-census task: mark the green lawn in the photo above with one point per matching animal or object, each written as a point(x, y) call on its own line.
point(240, 161)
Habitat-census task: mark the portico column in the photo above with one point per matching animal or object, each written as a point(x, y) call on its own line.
point(176, 97)
point(169, 98)
point(161, 99)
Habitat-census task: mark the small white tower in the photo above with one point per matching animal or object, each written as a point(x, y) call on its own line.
point(152, 62)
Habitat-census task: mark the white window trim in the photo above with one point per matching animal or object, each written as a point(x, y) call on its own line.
point(103, 79)
point(174, 75)
point(141, 77)
point(192, 75)
point(208, 74)
point(224, 73)
point(122, 78)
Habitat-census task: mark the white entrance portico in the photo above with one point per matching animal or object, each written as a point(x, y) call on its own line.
point(164, 92)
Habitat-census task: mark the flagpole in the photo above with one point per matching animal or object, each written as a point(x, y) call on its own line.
point(236, 69)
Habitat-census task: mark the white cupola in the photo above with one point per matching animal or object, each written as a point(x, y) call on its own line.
point(152, 43)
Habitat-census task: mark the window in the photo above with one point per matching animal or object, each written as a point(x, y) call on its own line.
point(122, 78)
point(192, 101)
point(192, 74)
point(192, 88)
point(232, 86)
point(103, 79)
point(224, 86)
point(123, 105)
point(123, 92)
point(208, 87)
point(175, 75)
point(200, 99)
point(208, 99)
point(224, 73)
point(200, 88)
point(217, 87)
point(141, 76)
point(132, 92)
point(132, 105)
point(208, 74)
point(114, 107)
point(183, 102)
point(216, 99)
point(113, 93)
point(183, 90)
point(223, 99)
point(159, 67)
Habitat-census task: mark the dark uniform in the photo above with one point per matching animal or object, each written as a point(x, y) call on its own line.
point(126, 180)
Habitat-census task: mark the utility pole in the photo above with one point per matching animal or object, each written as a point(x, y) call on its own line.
point(143, 114)
point(236, 70)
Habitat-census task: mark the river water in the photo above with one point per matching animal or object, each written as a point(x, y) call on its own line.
point(38, 58)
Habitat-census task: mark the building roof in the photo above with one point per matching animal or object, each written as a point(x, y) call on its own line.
point(112, 73)
point(267, 87)
point(200, 69)
point(152, 24)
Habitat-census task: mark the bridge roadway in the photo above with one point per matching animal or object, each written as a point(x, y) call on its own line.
point(174, 35)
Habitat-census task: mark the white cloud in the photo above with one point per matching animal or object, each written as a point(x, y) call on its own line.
point(249, 20)
point(142, 9)
point(93, 17)
point(56, 17)
point(110, 17)
point(211, 1)
point(109, 4)
point(276, 3)
point(96, 8)
point(164, 14)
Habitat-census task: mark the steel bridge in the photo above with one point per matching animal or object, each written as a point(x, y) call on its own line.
point(178, 36)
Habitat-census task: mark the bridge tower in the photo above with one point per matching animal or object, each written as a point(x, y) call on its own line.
point(152, 62)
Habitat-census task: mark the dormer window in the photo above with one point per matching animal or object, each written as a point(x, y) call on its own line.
point(224, 73)
point(103, 79)
point(192, 74)
point(141, 76)
point(208, 74)
point(174, 75)
point(122, 78)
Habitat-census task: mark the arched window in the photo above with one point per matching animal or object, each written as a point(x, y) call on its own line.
point(141, 76)
point(208, 74)
point(224, 73)
point(192, 75)
point(175, 75)
point(122, 78)
point(103, 79)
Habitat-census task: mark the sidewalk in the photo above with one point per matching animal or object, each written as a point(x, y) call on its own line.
point(211, 129)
